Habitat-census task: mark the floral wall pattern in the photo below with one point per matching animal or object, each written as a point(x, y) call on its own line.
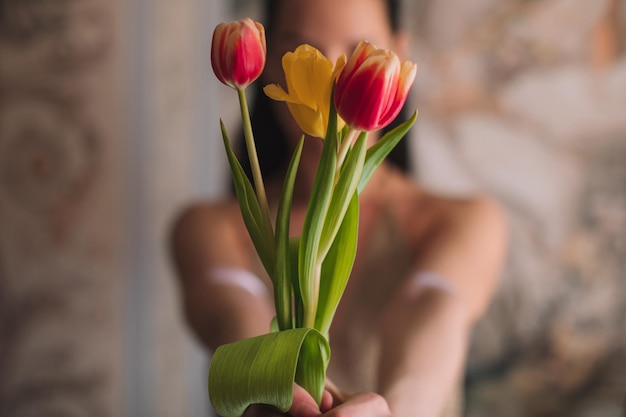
point(59, 277)
point(525, 100)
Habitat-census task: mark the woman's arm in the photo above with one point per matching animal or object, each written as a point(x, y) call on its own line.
point(426, 327)
point(220, 307)
point(221, 300)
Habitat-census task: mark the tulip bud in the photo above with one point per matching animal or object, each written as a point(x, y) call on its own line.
point(373, 87)
point(238, 52)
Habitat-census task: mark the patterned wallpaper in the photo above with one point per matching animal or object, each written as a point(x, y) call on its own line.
point(526, 100)
point(59, 265)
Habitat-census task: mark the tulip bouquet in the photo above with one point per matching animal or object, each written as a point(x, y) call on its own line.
point(339, 104)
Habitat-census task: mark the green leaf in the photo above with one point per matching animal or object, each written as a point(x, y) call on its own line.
point(349, 177)
point(262, 370)
point(282, 269)
point(250, 208)
point(337, 267)
point(309, 265)
point(294, 246)
point(377, 153)
point(311, 369)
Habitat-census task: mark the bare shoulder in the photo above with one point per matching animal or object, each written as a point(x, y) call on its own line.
point(218, 214)
point(208, 234)
point(205, 220)
point(469, 228)
point(426, 214)
point(477, 215)
point(465, 240)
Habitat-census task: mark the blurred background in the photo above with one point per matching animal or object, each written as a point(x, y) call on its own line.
point(108, 127)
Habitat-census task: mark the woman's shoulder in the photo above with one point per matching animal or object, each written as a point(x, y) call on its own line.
point(209, 210)
point(218, 213)
point(449, 209)
point(461, 238)
point(209, 225)
point(428, 213)
point(463, 211)
point(470, 219)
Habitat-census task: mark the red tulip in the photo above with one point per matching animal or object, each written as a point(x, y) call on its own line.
point(373, 87)
point(238, 52)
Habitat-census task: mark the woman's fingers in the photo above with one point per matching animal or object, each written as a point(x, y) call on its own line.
point(366, 404)
point(327, 401)
point(303, 404)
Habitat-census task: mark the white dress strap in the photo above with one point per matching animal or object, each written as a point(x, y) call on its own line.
point(430, 279)
point(238, 277)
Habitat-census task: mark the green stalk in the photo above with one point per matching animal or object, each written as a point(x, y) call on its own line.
point(284, 259)
point(346, 181)
point(309, 264)
point(310, 311)
point(255, 167)
point(345, 145)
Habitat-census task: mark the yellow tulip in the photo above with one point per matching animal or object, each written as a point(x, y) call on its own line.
point(310, 77)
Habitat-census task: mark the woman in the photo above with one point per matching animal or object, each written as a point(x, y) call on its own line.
point(425, 270)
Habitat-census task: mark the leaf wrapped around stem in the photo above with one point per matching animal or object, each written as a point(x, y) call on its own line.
point(262, 370)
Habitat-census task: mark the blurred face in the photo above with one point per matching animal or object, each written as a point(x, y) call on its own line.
point(334, 27)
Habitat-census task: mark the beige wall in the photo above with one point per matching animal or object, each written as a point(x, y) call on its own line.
point(104, 135)
point(61, 215)
point(526, 101)
point(175, 158)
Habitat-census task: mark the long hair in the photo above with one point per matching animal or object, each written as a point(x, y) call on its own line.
point(272, 146)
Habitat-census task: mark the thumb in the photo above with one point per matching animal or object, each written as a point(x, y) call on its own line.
point(303, 404)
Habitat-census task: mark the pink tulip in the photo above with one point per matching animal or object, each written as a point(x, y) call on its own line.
point(238, 52)
point(373, 87)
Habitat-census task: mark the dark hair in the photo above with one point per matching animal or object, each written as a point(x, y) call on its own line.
point(272, 147)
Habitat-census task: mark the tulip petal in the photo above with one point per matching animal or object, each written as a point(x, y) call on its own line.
point(361, 105)
point(361, 52)
point(408, 71)
point(276, 92)
point(339, 66)
point(309, 120)
point(309, 73)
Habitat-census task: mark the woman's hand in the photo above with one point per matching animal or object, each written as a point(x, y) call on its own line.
point(364, 404)
point(303, 406)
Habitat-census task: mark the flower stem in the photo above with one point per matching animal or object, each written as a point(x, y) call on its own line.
point(345, 145)
point(311, 310)
point(255, 167)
